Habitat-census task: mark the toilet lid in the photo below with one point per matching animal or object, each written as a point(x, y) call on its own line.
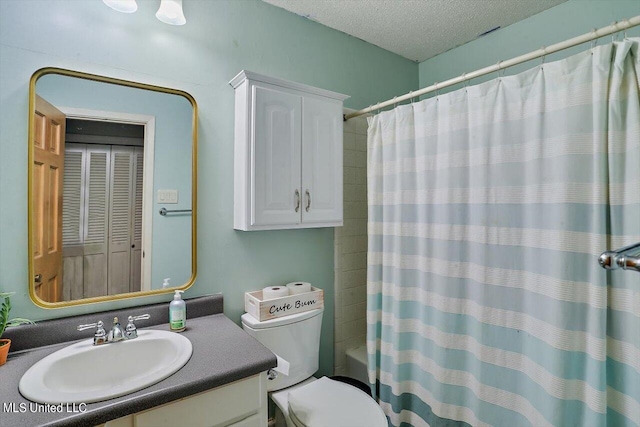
point(326, 402)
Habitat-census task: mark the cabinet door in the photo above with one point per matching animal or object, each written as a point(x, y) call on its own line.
point(242, 403)
point(276, 136)
point(322, 161)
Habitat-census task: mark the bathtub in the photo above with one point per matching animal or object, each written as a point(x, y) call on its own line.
point(357, 363)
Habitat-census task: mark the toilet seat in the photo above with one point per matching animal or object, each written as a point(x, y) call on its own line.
point(326, 402)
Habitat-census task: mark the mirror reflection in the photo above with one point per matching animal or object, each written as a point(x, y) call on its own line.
point(106, 158)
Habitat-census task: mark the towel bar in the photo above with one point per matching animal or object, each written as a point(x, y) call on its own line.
point(165, 211)
point(627, 258)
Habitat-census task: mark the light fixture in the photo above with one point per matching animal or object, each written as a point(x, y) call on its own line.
point(170, 12)
point(126, 6)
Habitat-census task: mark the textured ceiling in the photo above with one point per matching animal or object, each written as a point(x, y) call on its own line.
point(415, 29)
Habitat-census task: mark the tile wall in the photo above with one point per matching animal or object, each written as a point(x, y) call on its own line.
point(351, 247)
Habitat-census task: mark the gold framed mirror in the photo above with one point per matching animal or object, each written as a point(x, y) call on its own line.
point(112, 188)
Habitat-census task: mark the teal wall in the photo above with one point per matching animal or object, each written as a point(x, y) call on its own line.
point(171, 244)
point(221, 38)
point(562, 22)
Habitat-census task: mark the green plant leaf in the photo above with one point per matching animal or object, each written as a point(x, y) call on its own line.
point(20, 321)
point(5, 308)
point(4, 313)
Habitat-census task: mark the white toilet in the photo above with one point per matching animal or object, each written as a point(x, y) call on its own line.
point(301, 399)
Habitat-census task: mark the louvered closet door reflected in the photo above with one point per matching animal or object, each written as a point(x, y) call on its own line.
point(85, 220)
point(121, 222)
point(72, 222)
point(96, 221)
point(136, 225)
point(102, 226)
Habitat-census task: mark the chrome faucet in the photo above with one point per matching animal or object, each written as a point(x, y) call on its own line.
point(117, 333)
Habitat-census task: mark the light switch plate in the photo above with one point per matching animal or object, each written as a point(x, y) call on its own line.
point(167, 196)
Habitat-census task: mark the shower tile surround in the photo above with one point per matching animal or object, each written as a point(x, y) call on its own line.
point(350, 251)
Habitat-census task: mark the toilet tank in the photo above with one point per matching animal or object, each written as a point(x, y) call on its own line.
point(294, 339)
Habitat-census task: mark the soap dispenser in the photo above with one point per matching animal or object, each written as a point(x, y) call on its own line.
point(177, 313)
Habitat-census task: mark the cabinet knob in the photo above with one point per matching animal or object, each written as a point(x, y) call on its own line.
point(308, 200)
point(272, 374)
point(297, 195)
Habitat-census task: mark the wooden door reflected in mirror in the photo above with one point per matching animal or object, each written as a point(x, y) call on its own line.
point(47, 170)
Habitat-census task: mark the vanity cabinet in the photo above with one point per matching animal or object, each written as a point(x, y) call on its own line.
point(287, 156)
point(242, 403)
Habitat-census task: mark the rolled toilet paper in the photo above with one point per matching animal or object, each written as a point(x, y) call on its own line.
point(296, 288)
point(271, 292)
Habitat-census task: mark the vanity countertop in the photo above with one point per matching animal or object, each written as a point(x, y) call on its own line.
point(222, 353)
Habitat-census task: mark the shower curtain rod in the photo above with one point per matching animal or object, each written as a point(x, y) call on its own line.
point(594, 34)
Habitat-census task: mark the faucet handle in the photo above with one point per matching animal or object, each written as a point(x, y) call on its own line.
point(131, 331)
point(140, 317)
point(100, 337)
point(88, 326)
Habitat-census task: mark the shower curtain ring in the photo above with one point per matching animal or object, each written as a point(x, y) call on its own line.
point(500, 71)
point(594, 42)
point(436, 90)
point(395, 104)
point(467, 82)
point(411, 97)
point(544, 56)
point(624, 33)
point(613, 35)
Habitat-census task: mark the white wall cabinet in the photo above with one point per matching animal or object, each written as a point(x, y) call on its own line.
point(241, 403)
point(288, 154)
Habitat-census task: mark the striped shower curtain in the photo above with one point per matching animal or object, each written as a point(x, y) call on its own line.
point(488, 208)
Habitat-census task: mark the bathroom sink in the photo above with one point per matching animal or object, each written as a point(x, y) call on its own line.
point(84, 373)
